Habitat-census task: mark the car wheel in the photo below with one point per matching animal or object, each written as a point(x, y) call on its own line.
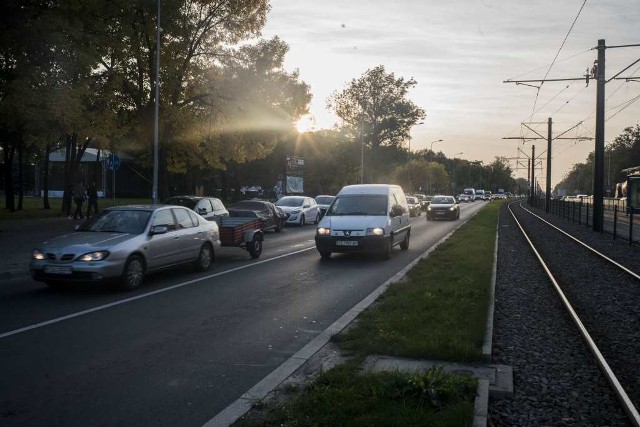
point(325, 254)
point(255, 247)
point(303, 220)
point(279, 225)
point(205, 258)
point(405, 242)
point(386, 252)
point(133, 273)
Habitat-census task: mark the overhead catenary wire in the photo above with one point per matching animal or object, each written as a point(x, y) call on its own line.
point(557, 54)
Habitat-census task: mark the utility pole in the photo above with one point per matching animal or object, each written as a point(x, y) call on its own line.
point(547, 197)
point(529, 176)
point(598, 173)
point(533, 174)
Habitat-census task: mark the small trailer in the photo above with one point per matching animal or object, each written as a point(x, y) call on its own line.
point(244, 232)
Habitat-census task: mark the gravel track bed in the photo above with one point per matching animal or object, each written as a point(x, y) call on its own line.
point(556, 379)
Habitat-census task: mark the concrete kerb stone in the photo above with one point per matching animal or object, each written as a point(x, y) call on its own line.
point(242, 405)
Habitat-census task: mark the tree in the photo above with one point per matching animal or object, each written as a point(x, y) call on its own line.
point(375, 109)
point(196, 37)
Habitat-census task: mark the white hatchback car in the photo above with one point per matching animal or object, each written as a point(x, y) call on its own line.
point(301, 209)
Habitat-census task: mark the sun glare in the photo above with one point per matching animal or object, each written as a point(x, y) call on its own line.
point(306, 124)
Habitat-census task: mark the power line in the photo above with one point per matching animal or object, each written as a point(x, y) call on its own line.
point(556, 57)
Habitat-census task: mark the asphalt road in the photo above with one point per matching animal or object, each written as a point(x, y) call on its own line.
point(184, 346)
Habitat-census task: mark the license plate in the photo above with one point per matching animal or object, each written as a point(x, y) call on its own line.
point(439, 213)
point(57, 269)
point(346, 243)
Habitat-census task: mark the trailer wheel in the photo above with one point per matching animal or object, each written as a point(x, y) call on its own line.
point(255, 247)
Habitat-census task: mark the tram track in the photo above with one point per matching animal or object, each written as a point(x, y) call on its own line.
point(600, 289)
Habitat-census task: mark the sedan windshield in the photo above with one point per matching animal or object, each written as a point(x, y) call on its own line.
point(118, 221)
point(442, 201)
point(181, 201)
point(359, 204)
point(290, 201)
point(324, 200)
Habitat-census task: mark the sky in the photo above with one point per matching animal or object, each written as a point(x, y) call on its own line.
point(460, 52)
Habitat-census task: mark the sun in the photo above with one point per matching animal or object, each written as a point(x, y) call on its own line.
point(307, 123)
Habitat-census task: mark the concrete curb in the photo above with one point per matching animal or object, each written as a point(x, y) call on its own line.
point(242, 405)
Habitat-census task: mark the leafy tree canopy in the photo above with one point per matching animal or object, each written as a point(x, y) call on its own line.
point(375, 107)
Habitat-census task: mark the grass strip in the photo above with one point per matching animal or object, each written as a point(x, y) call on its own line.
point(438, 312)
point(32, 207)
point(344, 396)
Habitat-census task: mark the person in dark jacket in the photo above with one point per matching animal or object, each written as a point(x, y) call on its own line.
point(79, 194)
point(92, 199)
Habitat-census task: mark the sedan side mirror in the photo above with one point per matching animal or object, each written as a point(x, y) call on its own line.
point(158, 229)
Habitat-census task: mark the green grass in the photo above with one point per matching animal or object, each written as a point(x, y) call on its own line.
point(343, 396)
point(32, 207)
point(438, 312)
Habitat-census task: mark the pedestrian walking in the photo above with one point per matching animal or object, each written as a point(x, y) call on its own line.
point(92, 199)
point(79, 194)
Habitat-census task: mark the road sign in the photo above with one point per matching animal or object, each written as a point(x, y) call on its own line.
point(113, 162)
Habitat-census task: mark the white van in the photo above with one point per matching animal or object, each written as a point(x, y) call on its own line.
point(365, 218)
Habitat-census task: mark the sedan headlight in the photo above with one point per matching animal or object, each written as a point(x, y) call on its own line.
point(375, 231)
point(295, 211)
point(36, 254)
point(452, 208)
point(93, 256)
point(323, 231)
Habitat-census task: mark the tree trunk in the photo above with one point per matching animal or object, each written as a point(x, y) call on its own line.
point(20, 171)
point(9, 150)
point(45, 178)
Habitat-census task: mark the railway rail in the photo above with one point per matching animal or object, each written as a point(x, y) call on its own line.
point(567, 316)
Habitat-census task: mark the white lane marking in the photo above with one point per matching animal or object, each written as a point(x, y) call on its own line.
point(148, 294)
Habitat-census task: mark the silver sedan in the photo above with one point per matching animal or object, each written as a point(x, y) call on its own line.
point(125, 243)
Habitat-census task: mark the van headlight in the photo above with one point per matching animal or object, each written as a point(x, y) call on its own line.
point(452, 208)
point(93, 256)
point(377, 231)
point(323, 231)
point(429, 207)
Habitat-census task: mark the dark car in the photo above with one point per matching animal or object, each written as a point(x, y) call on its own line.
point(208, 207)
point(272, 217)
point(443, 207)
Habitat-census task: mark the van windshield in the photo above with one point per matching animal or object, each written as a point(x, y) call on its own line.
point(359, 204)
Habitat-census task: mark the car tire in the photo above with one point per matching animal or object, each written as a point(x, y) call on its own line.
point(205, 258)
point(133, 273)
point(325, 254)
point(386, 252)
point(303, 220)
point(279, 225)
point(255, 247)
point(404, 245)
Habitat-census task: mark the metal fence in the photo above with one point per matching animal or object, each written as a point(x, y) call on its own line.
point(617, 221)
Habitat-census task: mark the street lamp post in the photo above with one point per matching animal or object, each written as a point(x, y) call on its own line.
point(433, 142)
point(431, 172)
point(409, 160)
point(453, 184)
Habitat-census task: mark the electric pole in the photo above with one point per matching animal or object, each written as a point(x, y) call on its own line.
point(547, 196)
point(598, 173)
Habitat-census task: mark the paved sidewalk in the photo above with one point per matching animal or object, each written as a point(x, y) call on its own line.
point(19, 237)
